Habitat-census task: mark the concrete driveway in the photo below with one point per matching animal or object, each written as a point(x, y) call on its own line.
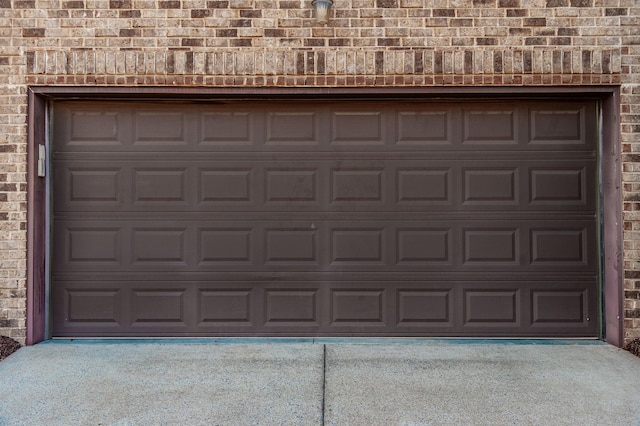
point(315, 382)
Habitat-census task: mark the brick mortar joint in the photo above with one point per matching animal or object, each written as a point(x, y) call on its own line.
point(326, 62)
point(330, 81)
point(326, 49)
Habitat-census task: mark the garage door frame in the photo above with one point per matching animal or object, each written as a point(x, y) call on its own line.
point(40, 99)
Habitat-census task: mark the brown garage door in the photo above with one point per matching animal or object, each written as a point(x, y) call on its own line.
point(326, 218)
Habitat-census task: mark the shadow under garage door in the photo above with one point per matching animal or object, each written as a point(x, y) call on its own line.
point(325, 219)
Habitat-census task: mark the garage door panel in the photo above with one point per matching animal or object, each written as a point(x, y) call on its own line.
point(229, 186)
point(563, 186)
point(357, 246)
point(423, 246)
point(292, 306)
point(559, 306)
point(357, 185)
point(489, 126)
point(424, 127)
point(98, 246)
point(561, 246)
point(362, 128)
point(465, 244)
point(92, 305)
point(555, 126)
point(326, 185)
point(492, 307)
point(318, 307)
point(160, 185)
point(357, 307)
point(325, 127)
point(92, 246)
point(490, 186)
point(161, 307)
point(226, 306)
point(423, 186)
point(226, 245)
point(87, 305)
point(227, 129)
point(291, 246)
point(418, 307)
point(293, 128)
point(498, 247)
point(95, 127)
point(157, 128)
point(159, 245)
point(329, 218)
point(292, 185)
point(97, 185)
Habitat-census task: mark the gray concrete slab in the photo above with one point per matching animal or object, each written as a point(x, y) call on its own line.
point(162, 384)
point(410, 382)
point(489, 384)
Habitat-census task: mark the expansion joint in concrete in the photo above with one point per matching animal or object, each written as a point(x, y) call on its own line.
point(324, 380)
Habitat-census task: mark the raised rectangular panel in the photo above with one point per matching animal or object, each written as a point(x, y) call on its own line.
point(559, 306)
point(423, 127)
point(294, 185)
point(159, 185)
point(556, 126)
point(94, 245)
point(423, 185)
point(158, 245)
point(357, 128)
point(93, 305)
point(291, 306)
point(225, 245)
point(357, 306)
point(292, 128)
point(557, 186)
point(423, 245)
point(225, 185)
point(290, 245)
point(356, 185)
point(558, 245)
point(356, 245)
point(490, 185)
point(159, 128)
point(225, 306)
point(417, 307)
point(157, 306)
point(489, 306)
point(490, 245)
point(226, 128)
point(94, 185)
point(94, 128)
point(489, 127)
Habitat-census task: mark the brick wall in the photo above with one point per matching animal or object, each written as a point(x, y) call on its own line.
point(386, 43)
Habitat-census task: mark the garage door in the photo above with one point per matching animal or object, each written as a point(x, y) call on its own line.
point(325, 219)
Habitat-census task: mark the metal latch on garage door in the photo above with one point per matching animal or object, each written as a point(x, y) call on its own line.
point(42, 160)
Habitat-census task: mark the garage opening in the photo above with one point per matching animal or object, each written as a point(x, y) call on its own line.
point(333, 218)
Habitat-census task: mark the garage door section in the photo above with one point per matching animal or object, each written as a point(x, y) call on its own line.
point(325, 218)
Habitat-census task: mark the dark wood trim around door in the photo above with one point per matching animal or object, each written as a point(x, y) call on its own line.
point(36, 223)
point(613, 264)
point(613, 269)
